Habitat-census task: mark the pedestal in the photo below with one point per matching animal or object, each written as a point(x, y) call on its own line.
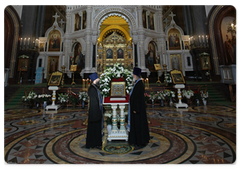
point(53, 106)
point(115, 133)
point(180, 104)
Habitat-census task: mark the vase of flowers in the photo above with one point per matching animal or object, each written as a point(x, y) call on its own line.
point(63, 99)
point(161, 96)
point(204, 95)
point(197, 96)
point(73, 98)
point(83, 96)
point(170, 95)
point(188, 94)
point(30, 98)
point(152, 97)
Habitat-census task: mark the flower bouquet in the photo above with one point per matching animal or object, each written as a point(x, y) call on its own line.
point(204, 96)
point(63, 98)
point(73, 98)
point(197, 96)
point(83, 96)
point(117, 71)
point(29, 98)
point(161, 95)
point(187, 93)
point(44, 97)
point(169, 96)
point(146, 97)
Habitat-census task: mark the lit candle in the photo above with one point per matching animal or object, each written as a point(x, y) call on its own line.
point(199, 39)
point(203, 39)
point(24, 42)
point(83, 83)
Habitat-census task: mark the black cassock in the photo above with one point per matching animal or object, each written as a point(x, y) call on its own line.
point(94, 135)
point(139, 131)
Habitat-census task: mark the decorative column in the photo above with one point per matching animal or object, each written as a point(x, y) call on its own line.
point(122, 119)
point(114, 119)
point(88, 56)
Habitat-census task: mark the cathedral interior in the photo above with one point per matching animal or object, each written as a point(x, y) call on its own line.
point(78, 40)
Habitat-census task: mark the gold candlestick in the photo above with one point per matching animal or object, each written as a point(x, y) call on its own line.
point(83, 83)
point(63, 70)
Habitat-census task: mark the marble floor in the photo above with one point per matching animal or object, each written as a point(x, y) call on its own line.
point(197, 135)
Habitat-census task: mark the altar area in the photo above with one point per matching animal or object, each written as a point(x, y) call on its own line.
point(115, 85)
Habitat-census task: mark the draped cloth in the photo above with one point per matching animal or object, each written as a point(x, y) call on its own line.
point(137, 119)
point(95, 118)
point(129, 107)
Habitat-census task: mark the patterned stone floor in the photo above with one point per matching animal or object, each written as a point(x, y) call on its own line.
point(197, 135)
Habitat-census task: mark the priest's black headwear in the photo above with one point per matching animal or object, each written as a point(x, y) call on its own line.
point(137, 71)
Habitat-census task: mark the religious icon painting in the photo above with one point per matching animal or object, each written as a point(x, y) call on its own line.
point(22, 64)
point(109, 54)
point(42, 46)
point(120, 53)
point(205, 62)
point(144, 18)
point(151, 21)
point(174, 40)
point(77, 25)
point(176, 62)
point(151, 56)
point(54, 41)
point(186, 45)
point(52, 64)
point(177, 77)
point(84, 19)
point(55, 79)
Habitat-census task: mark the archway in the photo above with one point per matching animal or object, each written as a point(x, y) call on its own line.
point(114, 44)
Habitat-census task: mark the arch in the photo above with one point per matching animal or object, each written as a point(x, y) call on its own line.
point(216, 16)
point(114, 11)
point(12, 26)
point(128, 38)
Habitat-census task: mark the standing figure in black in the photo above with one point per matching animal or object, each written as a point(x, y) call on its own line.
point(137, 117)
point(95, 114)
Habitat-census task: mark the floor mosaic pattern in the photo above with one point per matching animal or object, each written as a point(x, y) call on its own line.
point(197, 135)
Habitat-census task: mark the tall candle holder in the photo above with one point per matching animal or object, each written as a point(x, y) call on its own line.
point(165, 74)
point(73, 69)
point(63, 70)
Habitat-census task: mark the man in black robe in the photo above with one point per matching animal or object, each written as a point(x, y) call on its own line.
point(137, 118)
point(95, 114)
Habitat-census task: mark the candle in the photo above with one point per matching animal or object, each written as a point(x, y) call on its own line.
point(28, 41)
point(24, 42)
point(199, 39)
point(83, 83)
point(203, 39)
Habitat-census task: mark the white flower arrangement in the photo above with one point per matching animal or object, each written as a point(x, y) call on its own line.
point(169, 93)
point(83, 96)
point(117, 71)
point(204, 95)
point(63, 98)
point(31, 96)
point(44, 96)
point(187, 93)
point(161, 95)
